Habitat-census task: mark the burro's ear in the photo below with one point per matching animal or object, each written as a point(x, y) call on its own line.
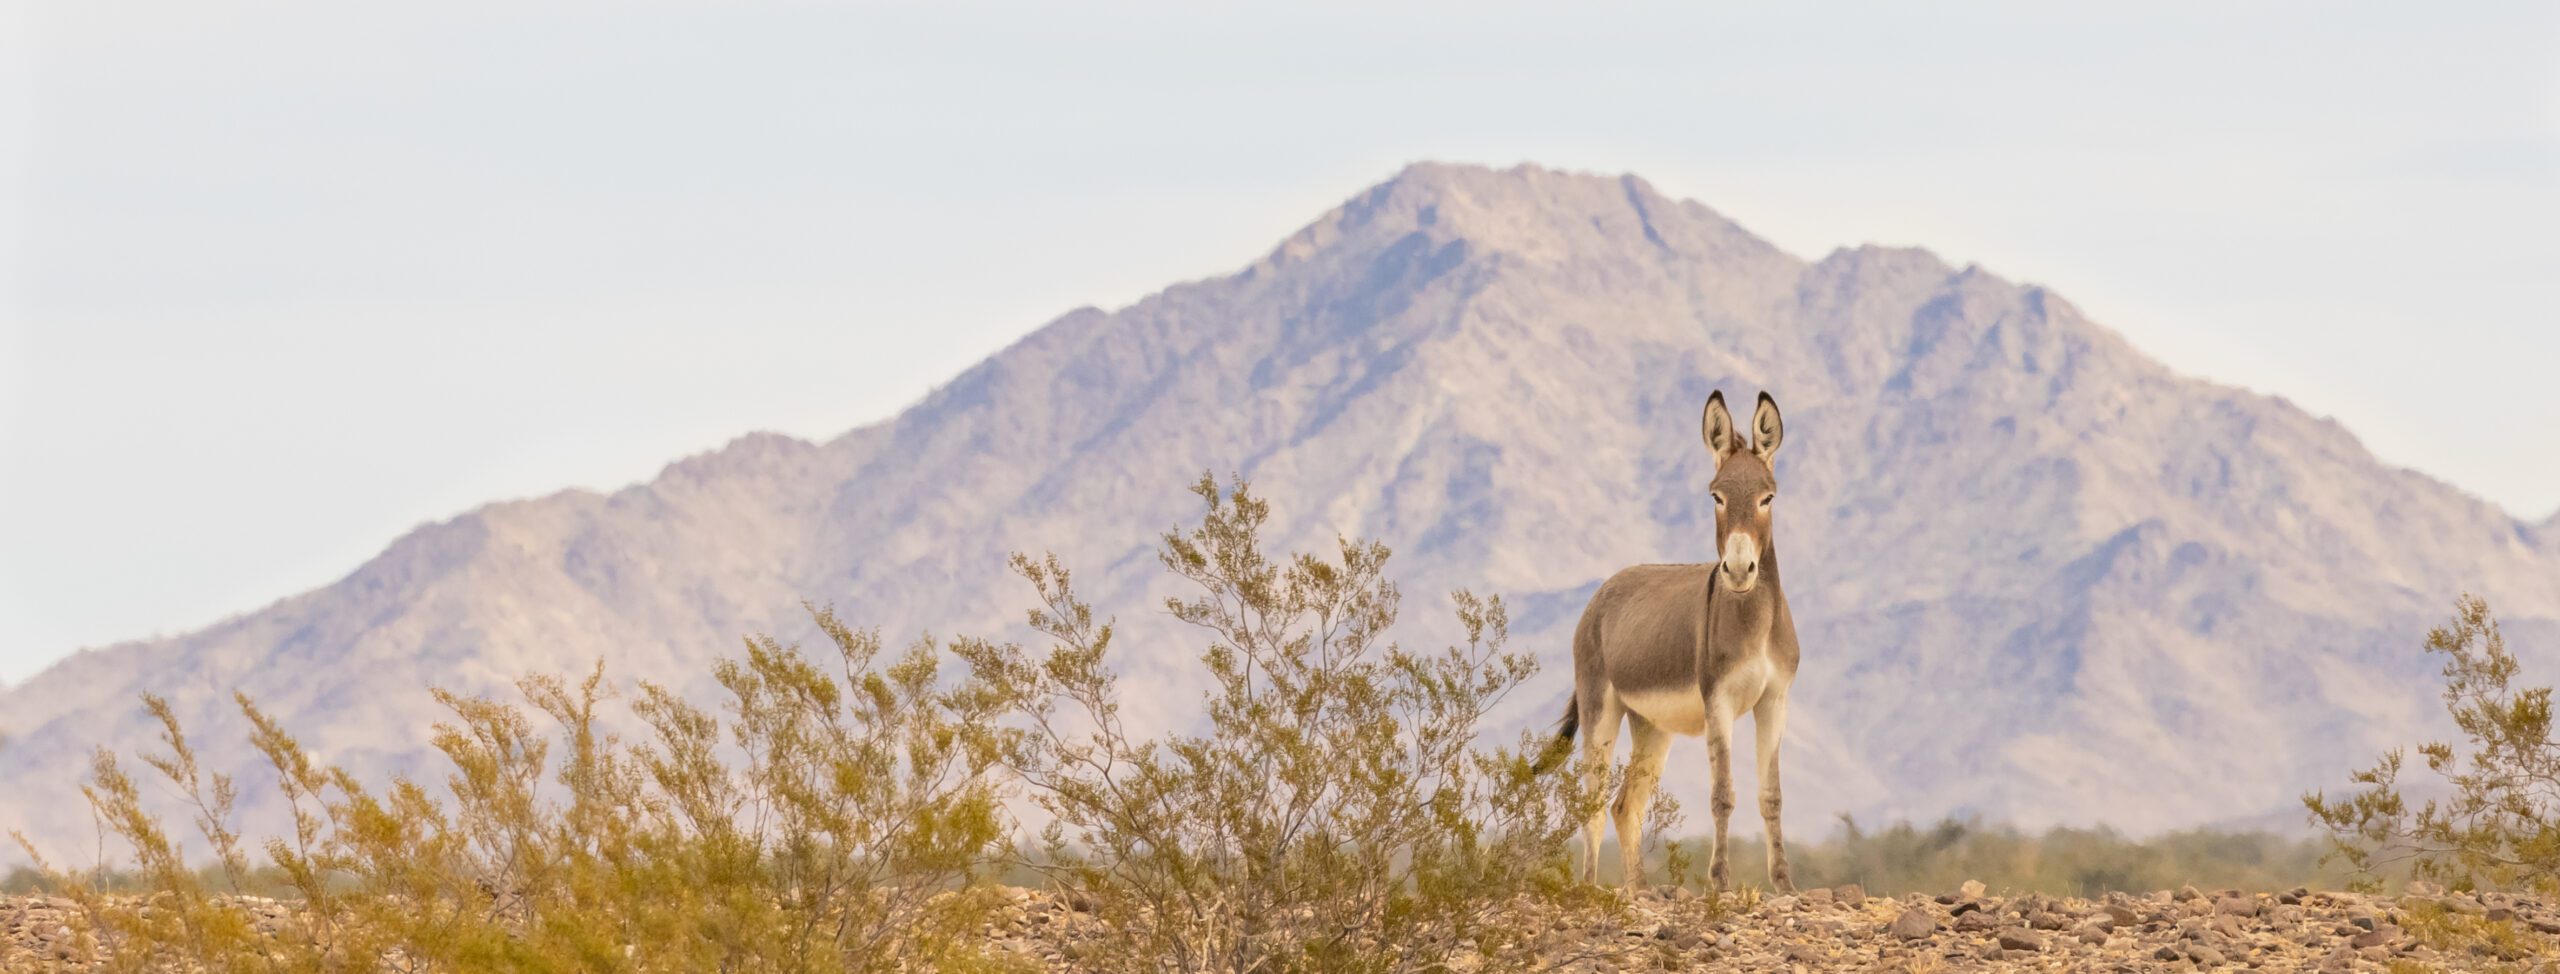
point(1767, 429)
point(1717, 427)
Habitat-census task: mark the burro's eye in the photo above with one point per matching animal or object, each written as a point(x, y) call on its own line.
point(1719, 500)
point(1765, 499)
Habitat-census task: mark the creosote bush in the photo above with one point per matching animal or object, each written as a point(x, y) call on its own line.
point(831, 821)
point(1336, 813)
point(2497, 828)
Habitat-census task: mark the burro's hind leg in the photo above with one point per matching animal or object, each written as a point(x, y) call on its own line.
point(1599, 738)
point(1770, 718)
point(1651, 744)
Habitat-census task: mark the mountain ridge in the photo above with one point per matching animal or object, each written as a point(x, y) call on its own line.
point(2015, 529)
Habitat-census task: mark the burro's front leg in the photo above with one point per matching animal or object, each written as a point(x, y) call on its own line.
point(1720, 771)
point(1771, 725)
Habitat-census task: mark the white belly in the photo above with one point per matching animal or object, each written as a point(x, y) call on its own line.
point(1680, 711)
point(1686, 711)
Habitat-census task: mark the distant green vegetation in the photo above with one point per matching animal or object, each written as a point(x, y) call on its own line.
point(22, 880)
point(1901, 858)
point(1937, 858)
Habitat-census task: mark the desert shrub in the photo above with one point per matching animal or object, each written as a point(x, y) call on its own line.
point(832, 821)
point(2496, 828)
point(1334, 810)
point(1334, 813)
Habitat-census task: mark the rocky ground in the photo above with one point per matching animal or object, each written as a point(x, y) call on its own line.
point(1843, 929)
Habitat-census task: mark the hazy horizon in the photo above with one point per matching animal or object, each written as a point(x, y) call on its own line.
point(289, 281)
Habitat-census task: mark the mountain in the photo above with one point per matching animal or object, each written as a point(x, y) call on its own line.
point(2040, 577)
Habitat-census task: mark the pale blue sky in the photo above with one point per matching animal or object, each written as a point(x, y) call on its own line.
point(281, 281)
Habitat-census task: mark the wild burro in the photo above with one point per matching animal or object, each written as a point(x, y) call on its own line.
point(1689, 649)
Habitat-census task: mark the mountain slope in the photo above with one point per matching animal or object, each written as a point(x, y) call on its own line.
point(2039, 576)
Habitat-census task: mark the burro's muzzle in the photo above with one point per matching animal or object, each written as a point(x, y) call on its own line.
point(1741, 564)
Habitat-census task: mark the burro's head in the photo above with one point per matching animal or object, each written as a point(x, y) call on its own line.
point(1745, 488)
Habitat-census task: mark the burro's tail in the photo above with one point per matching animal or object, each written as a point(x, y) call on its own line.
point(1562, 747)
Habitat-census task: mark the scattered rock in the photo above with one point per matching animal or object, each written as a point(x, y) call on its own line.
point(1972, 889)
point(1828, 930)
